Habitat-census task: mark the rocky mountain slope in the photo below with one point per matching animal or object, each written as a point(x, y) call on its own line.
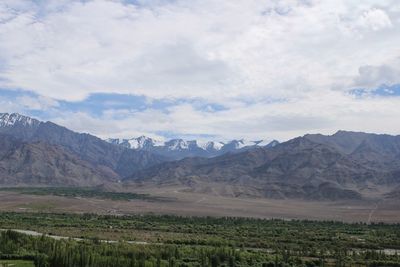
point(178, 148)
point(86, 147)
point(39, 163)
point(346, 165)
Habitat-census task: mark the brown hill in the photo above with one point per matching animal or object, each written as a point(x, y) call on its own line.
point(84, 146)
point(326, 167)
point(39, 163)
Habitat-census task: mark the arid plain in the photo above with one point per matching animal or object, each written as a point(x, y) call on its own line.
point(178, 202)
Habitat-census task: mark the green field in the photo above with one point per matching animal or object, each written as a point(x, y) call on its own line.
point(189, 241)
point(16, 263)
point(74, 192)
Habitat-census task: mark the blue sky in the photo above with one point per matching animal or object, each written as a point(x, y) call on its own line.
point(382, 91)
point(203, 69)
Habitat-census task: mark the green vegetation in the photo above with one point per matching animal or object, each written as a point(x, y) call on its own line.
point(43, 207)
point(185, 241)
point(79, 192)
point(16, 263)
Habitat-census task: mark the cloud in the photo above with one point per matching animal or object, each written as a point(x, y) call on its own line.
point(8, 105)
point(229, 69)
point(37, 103)
point(314, 113)
point(68, 50)
point(371, 77)
point(26, 102)
point(375, 19)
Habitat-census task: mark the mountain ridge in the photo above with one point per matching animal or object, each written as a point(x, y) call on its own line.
point(304, 167)
point(178, 148)
point(39, 163)
point(87, 147)
point(345, 165)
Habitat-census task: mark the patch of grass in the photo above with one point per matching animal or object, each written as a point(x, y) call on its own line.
point(16, 263)
point(80, 192)
point(38, 206)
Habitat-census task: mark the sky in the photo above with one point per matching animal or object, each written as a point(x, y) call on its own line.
point(205, 69)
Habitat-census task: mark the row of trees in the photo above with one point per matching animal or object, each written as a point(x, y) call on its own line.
point(309, 237)
point(47, 252)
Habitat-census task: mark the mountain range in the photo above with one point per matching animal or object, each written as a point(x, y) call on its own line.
point(345, 165)
point(178, 148)
point(39, 163)
point(33, 150)
point(111, 160)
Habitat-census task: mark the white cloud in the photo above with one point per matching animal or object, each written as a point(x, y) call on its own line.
point(314, 113)
point(6, 105)
point(233, 53)
point(209, 49)
point(25, 104)
point(375, 19)
point(371, 77)
point(36, 103)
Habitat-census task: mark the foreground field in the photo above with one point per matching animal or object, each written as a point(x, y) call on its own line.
point(16, 263)
point(178, 202)
point(149, 240)
point(67, 227)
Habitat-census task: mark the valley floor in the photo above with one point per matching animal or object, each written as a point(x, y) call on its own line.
point(90, 240)
point(61, 227)
point(178, 202)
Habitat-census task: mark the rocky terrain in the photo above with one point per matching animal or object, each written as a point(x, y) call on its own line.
point(346, 165)
point(39, 163)
point(100, 155)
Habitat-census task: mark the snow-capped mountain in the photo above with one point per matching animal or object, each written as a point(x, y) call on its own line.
point(15, 119)
point(179, 148)
point(112, 161)
point(27, 128)
point(18, 125)
point(139, 143)
point(210, 145)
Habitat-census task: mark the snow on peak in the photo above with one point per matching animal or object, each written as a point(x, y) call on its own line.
point(266, 143)
point(115, 141)
point(273, 143)
point(210, 145)
point(134, 144)
point(215, 145)
point(245, 143)
point(8, 120)
point(238, 144)
point(140, 142)
point(158, 143)
point(203, 144)
point(262, 142)
point(143, 142)
point(177, 144)
point(242, 143)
